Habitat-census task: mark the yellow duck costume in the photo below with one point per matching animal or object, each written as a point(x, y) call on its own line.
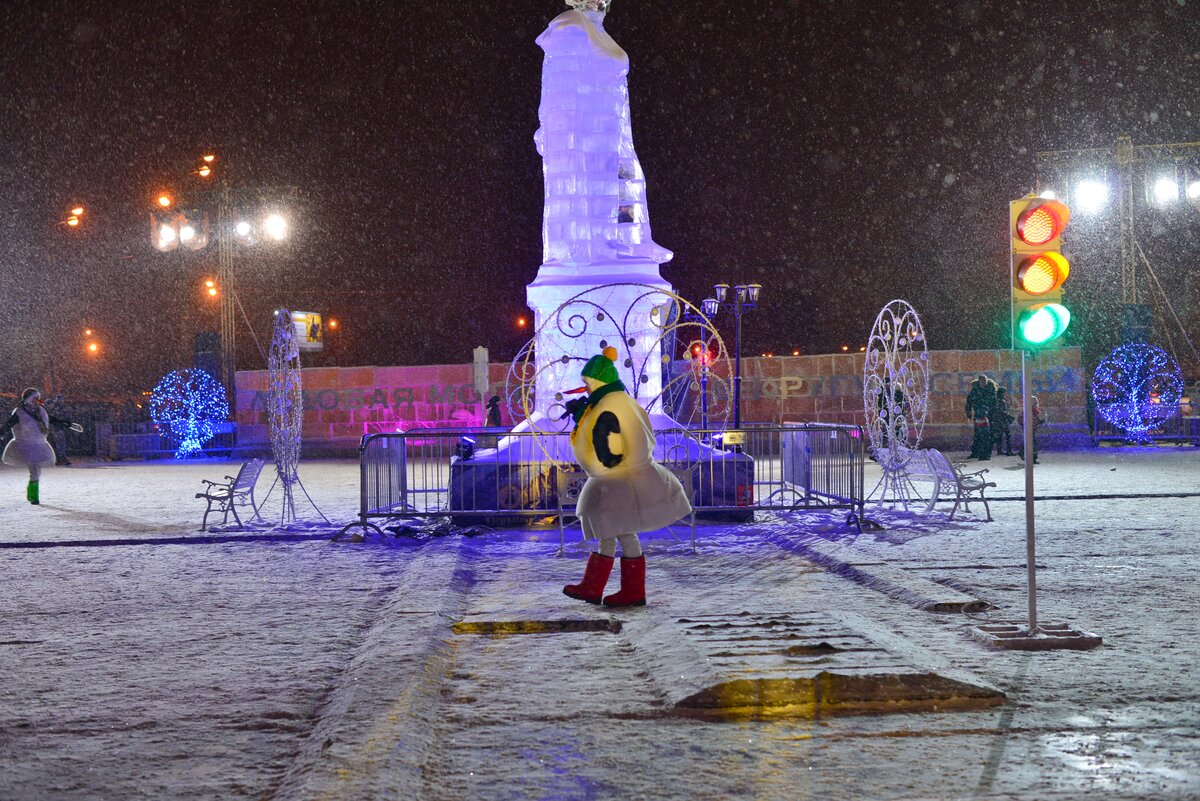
point(626, 491)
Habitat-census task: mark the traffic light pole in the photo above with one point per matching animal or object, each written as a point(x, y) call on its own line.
point(1027, 434)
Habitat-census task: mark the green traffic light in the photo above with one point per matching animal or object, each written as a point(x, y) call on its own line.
point(1043, 323)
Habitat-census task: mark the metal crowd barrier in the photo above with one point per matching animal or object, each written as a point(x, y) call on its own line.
point(510, 477)
point(1180, 426)
point(145, 440)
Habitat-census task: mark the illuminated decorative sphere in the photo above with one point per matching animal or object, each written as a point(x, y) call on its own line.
point(1136, 387)
point(189, 404)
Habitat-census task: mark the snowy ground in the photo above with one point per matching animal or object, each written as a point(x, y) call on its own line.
point(306, 669)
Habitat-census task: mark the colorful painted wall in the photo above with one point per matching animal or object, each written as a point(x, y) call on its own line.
point(343, 403)
point(828, 388)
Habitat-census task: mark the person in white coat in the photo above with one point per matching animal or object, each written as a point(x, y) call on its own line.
point(626, 491)
point(29, 424)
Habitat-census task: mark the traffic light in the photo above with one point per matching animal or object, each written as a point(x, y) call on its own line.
point(1039, 319)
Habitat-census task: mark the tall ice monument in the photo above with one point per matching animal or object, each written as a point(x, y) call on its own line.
point(595, 226)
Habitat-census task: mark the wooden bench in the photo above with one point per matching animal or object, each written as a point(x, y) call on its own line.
point(235, 491)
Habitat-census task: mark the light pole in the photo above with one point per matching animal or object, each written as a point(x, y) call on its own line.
point(177, 228)
point(745, 298)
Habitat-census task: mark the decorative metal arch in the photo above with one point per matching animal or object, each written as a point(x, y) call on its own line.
point(285, 413)
point(895, 395)
point(675, 322)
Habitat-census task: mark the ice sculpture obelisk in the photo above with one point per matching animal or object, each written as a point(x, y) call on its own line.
point(595, 228)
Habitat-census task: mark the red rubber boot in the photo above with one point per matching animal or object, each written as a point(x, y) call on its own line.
point(633, 584)
point(591, 589)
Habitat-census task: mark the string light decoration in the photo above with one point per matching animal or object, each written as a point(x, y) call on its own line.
point(285, 407)
point(189, 404)
point(1137, 387)
point(285, 414)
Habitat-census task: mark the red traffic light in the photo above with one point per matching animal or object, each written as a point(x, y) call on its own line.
point(1042, 222)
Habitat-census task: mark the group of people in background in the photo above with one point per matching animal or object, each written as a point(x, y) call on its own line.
point(987, 408)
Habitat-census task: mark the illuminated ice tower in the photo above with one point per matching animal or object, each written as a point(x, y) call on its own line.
point(596, 227)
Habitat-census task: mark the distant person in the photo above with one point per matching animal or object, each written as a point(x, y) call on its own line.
point(493, 412)
point(980, 400)
point(1002, 424)
point(57, 407)
point(29, 424)
point(1039, 419)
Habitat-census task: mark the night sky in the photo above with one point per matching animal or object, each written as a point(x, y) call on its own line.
point(839, 153)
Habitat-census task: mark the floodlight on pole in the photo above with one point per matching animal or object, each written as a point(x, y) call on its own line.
point(1166, 190)
point(165, 237)
point(276, 227)
point(1091, 196)
point(243, 228)
point(1193, 191)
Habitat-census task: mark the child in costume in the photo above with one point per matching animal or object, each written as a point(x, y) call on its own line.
point(626, 491)
point(29, 424)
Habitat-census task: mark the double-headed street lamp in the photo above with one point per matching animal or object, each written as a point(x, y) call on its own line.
point(745, 298)
point(190, 229)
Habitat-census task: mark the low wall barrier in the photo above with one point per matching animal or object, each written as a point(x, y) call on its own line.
point(148, 441)
point(1177, 425)
point(481, 474)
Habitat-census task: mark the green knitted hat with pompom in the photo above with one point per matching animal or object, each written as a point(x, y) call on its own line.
point(602, 366)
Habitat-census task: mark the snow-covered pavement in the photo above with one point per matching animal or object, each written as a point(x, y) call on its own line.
point(308, 669)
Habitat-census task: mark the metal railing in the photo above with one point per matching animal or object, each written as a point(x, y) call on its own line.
point(1179, 425)
point(145, 440)
point(473, 473)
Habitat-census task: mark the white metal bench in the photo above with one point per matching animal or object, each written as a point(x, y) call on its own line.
point(569, 481)
point(234, 492)
point(949, 478)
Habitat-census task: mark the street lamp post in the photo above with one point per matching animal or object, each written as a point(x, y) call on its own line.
point(165, 237)
point(745, 298)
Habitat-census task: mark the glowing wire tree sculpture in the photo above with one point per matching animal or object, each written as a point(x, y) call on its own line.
point(1136, 388)
point(189, 404)
point(895, 395)
point(674, 322)
point(285, 412)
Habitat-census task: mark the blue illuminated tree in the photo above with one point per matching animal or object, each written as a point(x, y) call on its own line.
point(1136, 387)
point(189, 404)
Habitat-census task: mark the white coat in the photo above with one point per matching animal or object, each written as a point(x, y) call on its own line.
point(636, 494)
point(29, 446)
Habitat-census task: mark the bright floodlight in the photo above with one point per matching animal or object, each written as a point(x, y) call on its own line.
point(1166, 190)
point(186, 233)
point(276, 227)
point(1048, 194)
point(1193, 190)
point(164, 200)
point(166, 235)
point(243, 228)
point(1091, 196)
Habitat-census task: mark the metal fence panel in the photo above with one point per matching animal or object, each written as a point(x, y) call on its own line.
point(431, 472)
point(1180, 427)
